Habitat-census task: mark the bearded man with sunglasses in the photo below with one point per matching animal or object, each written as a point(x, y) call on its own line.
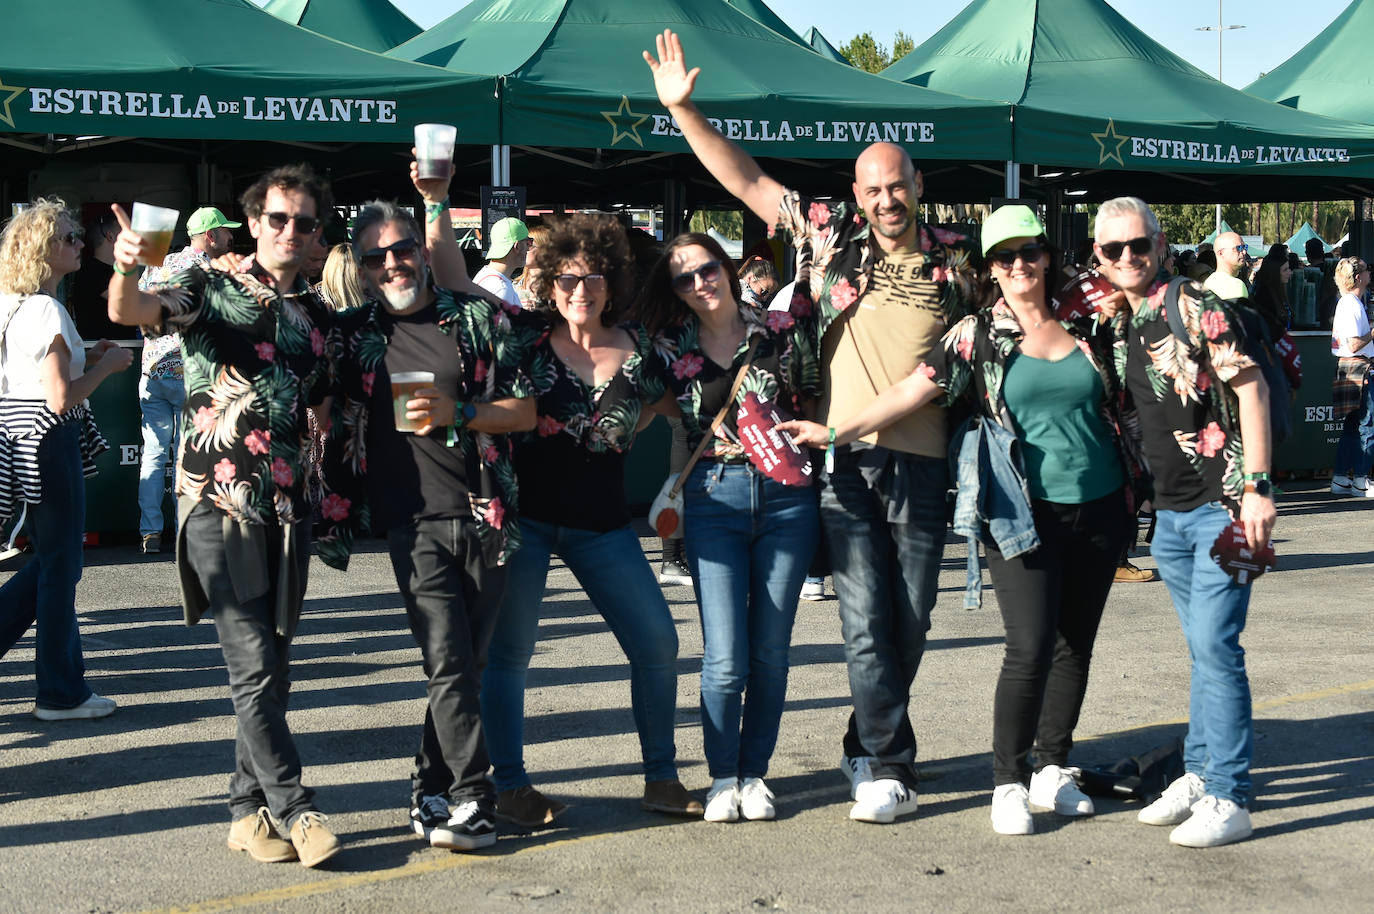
point(258, 348)
point(1203, 427)
point(437, 473)
point(880, 288)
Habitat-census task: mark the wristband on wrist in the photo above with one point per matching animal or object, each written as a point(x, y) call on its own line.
point(124, 272)
point(434, 210)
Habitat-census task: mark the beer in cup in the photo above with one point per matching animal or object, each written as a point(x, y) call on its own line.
point(434, 149)
point(403, 387)
point(155, 225)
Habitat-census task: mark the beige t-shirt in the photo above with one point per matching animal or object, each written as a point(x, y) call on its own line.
point(1225, 286)
point(878, 342)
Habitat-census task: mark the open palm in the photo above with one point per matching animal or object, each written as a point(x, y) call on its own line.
point(672, 80)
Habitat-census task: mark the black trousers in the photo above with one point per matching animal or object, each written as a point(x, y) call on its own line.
point(1051, 602)
point(451, 600)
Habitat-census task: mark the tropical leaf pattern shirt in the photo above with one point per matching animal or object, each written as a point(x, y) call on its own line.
point(162, 355)
point(1188, 420)
point(836, 253)
point(494, 344)
point(972, 358)
point(254, 359)
point(784, 371)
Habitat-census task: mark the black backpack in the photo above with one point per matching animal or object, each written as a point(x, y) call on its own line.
point(1255, 341)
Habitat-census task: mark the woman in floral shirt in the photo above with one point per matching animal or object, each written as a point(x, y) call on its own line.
point(749, 538)
point(1049, 385)
point(593, 394)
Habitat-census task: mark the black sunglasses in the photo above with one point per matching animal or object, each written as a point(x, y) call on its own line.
point(73, 236)
point(566, 282)
point(376, 258)
point(304, 224)
point(1030, 253)
point(1139, 247)
point(686, 282)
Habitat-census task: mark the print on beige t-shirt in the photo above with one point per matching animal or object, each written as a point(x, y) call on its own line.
point(880, 341)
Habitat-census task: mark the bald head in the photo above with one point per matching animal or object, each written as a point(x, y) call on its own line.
point(1231, 251)
point(887, 188)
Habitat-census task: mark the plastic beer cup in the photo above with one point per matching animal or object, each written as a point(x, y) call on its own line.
point(434, 149)
point(403, 387)
point(155, 225)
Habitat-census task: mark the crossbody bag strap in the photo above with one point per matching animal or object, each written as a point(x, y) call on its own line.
point(715, 423)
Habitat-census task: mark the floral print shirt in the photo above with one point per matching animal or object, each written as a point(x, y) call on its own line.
point(836, 253)
point(572, 466)
point(255, 358)
point(493, 344)
point(162, 355)
point(784, 371)
point(975, 352)
point(1188, 424)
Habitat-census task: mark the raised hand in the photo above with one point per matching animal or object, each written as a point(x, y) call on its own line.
point(129, 245)
point(672, 80)
point(432, 190)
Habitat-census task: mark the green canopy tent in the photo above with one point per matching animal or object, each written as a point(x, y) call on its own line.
point(1330, 74)
point(818, 43)
point(373, 25)
point(1219, 230)
point(1298, 242)
point(760, 12)
point(145, 68)
point(1095, 97)
point(572, 80)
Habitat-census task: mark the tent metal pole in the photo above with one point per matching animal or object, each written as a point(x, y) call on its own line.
point(1013, 184)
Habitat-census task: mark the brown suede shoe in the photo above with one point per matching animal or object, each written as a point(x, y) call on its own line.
point(1126, 573)
point(527, 807)
point(671, 797)
point(259, 837)
point(313, 840)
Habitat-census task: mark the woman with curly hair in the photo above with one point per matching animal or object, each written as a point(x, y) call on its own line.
point(48, 445)
point(749, 536)
point(594, 385)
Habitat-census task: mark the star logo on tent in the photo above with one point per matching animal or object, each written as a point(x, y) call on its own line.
point(7, 95)
point(624, 122)
point(1110, 137)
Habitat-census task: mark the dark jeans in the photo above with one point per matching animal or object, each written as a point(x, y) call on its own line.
point(267, 770)
point(1051, 601)
point(44, 590)
point(451, 600)
point(886, 574)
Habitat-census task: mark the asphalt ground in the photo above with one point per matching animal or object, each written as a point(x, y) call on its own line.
point(128, 813)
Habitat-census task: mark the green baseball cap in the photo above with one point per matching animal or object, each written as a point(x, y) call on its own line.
point(505, 235)
point(206, 218)
point(1011, 221)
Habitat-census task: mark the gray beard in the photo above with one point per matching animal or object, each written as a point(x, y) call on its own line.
point(401, 302)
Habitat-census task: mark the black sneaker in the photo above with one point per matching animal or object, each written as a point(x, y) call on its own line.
point(152, 544)
point(429, 813)
point(472, 825)
point(674, 571)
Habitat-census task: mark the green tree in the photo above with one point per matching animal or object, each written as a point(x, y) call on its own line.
point(729, 223)
point(866, 53)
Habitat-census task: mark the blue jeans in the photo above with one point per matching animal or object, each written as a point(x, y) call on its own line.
point(749, 541)
point(44, 590)
point(617, 579)
point(885, 547)
point(1212, 609)
point(1355, 447)
point(161, 400)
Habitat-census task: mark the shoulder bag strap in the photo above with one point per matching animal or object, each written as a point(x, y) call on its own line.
point(715, 423)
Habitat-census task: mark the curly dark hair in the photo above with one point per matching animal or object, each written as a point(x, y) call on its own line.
point(597, 238)
point(289, 177)
point(659, 307)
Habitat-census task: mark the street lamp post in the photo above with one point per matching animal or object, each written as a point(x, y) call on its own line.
point(1218, 28)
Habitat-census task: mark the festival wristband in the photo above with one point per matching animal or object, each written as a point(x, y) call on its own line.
point(124, 272)
point(434, 210)
point(830, 453)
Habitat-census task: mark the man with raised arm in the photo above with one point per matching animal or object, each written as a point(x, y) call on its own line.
point(881, 288)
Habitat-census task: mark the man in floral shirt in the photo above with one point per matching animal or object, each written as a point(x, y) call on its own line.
point(161, 391)
point(1203, 426)
point(442, 490)
point(258, 348)
point(883, 287)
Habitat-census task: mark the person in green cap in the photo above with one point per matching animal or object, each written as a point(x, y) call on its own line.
point(162, 390)
point(510, 243)
point(1046, 482)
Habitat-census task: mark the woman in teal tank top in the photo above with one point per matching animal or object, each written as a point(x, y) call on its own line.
point(1050, 384)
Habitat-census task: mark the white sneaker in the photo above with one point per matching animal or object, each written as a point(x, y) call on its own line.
point(1361, 488)
point(859, 770)
point(1175, 803)
point(1342, 485)
point(1215, 821)
point(813, 590)
point(756, 800)
point(882, 800)
point(1011, 810)
point(91, 708)
point(722, 800)
point(1053, 787)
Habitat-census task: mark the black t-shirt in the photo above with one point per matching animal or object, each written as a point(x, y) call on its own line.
point(414, 476)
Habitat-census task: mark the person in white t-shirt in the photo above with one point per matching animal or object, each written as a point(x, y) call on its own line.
point(48, 442)
point(509, 245)
point(1352, 343)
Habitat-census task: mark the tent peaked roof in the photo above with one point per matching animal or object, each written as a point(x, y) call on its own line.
point(821, 46)
point(1330, 74)
point(761, 13)
point(144, 68)
point(374, 25)
point(1298, 242)
point(1160, 113)
point(573, 75)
